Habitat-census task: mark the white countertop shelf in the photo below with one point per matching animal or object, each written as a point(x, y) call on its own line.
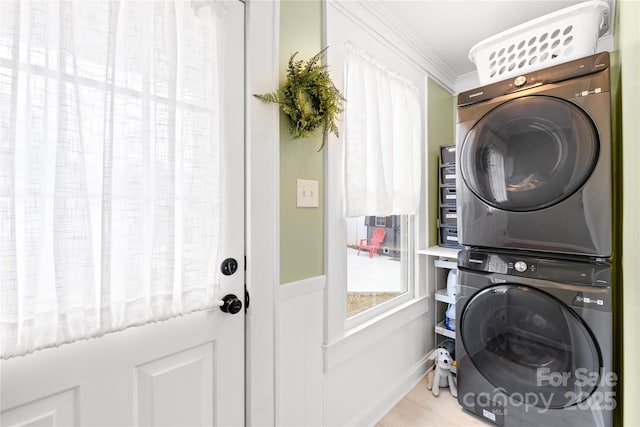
point(440, 263)
point(440, 251)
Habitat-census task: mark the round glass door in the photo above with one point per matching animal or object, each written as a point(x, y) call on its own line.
point(528, 343)
point(529, 153)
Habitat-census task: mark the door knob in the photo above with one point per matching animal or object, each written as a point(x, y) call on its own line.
point(231, 304)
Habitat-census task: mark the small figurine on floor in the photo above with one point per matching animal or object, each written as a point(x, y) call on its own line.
point(443, 375)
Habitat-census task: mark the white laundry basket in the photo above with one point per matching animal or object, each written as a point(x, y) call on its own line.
point(558, 37)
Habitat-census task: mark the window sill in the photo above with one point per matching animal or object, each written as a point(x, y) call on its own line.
point(366, 334)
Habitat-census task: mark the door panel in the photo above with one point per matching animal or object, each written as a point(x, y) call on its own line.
point(173, 390)
point(55, 410)
point(186, 371)
point(146, 373)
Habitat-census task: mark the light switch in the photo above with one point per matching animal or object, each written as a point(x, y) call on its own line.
point(307, 193)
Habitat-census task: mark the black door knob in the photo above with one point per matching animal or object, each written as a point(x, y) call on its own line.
point(231, 304)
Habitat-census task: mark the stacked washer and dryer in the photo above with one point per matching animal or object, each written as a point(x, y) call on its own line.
point(534, 344)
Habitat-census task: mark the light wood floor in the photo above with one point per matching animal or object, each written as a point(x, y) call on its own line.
point(421, 408)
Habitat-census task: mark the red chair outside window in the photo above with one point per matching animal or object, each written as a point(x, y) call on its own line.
point(376, 240)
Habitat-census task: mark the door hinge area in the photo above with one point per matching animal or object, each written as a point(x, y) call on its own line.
point(247, 298)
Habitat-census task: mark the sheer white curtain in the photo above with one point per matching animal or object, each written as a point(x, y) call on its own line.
point(383, 128)
point(109, 166)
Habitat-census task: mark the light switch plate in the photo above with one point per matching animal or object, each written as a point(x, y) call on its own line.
point(307, 193)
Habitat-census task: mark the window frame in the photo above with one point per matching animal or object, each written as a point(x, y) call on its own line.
point(340, 342)
point(408, 276)
point(340, 332)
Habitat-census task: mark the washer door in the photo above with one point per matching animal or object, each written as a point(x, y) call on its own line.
point(529, 153)
point(531, 345)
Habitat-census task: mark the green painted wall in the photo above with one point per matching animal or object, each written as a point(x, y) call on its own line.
point(628, 48)
point(301, 229)
point(440, 131)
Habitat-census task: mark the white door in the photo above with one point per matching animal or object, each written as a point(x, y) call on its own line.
point(186, 371)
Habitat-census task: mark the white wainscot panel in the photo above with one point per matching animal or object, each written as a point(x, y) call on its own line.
point(51, 411)
point(362, 389)
point(172, 391)
point(300, 350)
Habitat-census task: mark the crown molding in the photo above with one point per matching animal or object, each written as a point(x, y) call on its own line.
point(466, 82)
point(377, 20)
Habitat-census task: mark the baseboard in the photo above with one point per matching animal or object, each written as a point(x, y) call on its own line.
point(378, 409)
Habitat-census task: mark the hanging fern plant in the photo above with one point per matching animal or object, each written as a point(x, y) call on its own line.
point(309, 98)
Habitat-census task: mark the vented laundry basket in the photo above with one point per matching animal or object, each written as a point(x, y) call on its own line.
point(552, 39)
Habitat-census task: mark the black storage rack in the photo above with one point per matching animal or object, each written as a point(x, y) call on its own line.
point(447, 209)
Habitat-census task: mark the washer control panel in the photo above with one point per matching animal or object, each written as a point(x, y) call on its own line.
point(528, 267)
point(554, 269)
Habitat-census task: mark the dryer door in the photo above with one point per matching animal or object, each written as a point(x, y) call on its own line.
point(529, 153)
point(531, 345)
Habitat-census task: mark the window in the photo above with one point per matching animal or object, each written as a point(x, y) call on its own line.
point(382, 174)
point(378, 260)
point(374, 180)
point(381, 221)
point(109, 167)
